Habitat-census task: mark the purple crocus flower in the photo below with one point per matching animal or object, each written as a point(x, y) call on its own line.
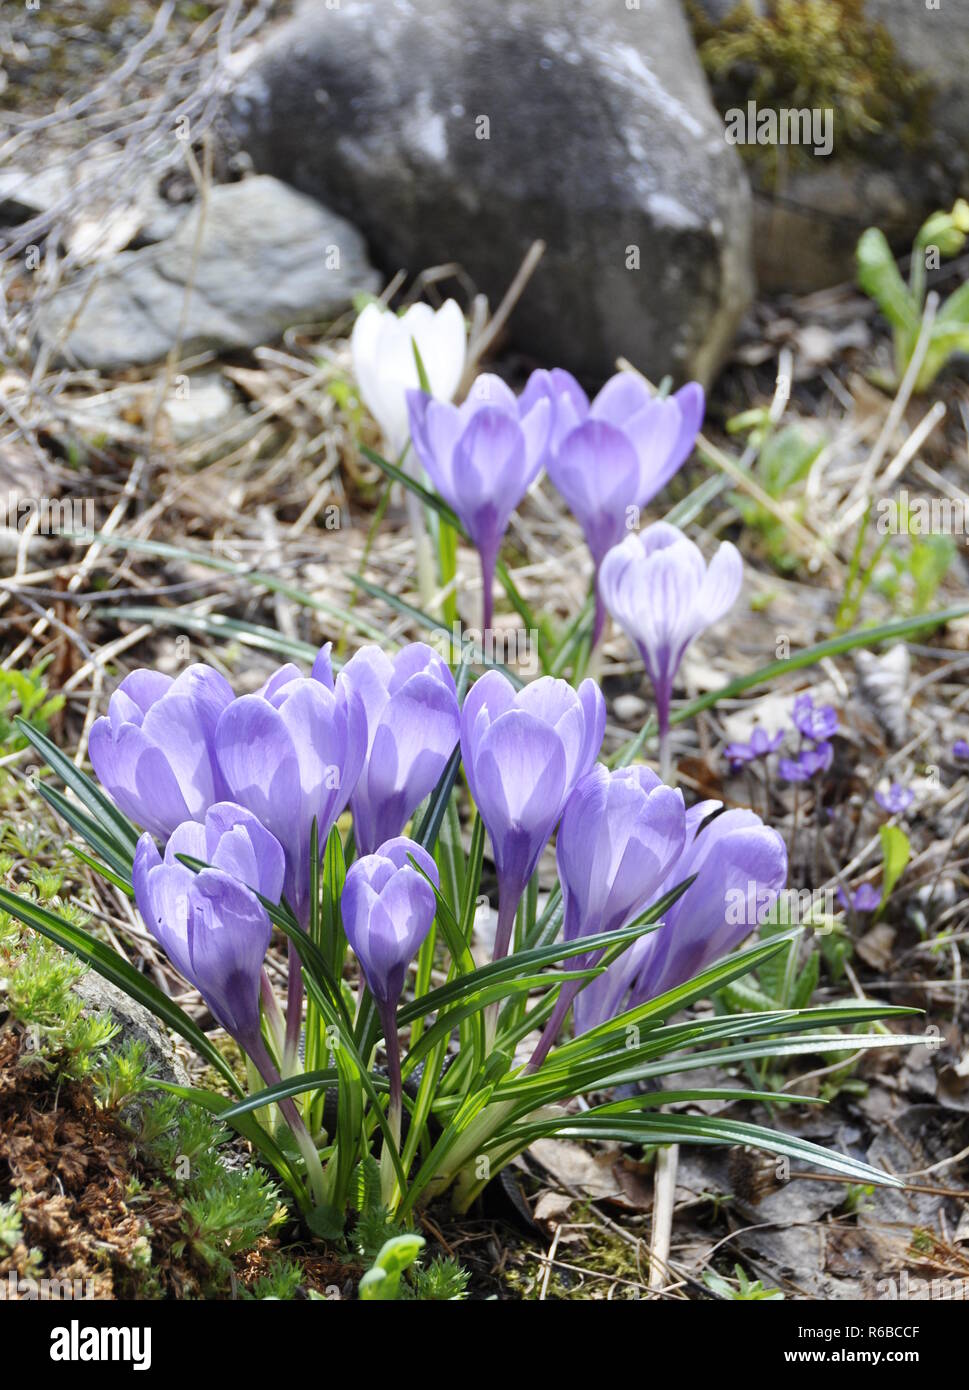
point(740, 866)
point(154, 750)
point(896, 800)
point(233, 840)
point(482, 457)
point(413, 725)
point(388, 908)
point(613, 456)
point(761, 745)
point(808, 763)
point(292, 753)
point(211, 926)
point(216, 932)
point(523, 753)
point(620, 835)
point(817, 724)
point(865, 898)
point(659, 589)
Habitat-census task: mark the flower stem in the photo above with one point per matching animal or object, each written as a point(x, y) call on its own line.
point(508, 900)
point(664, 1200)
point(600, 617)
point(273, 1013)
point(488, 563)
point(294, 1009)
point(388, 1174)
point(555, 1020)
point(664, 691)
point(257, 1050)
point(507, 907)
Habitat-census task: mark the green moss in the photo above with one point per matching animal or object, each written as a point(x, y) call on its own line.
point(605, 1259)
point(815, 54)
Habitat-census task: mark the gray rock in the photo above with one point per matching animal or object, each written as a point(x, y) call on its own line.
point(269, 257)
point(23, 194)
point(465, 132)
point(935, 43)
point(206, 406)
point(135, 1023)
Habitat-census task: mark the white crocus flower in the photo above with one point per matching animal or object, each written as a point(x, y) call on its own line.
point(385, 368)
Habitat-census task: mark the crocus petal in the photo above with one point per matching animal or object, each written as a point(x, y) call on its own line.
point(597, 470)
point(229, 932)
point(622, 396)
point(240, 844)
point(138, 777)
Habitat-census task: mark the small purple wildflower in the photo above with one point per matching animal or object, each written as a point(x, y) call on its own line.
point(896, 800)
point(816, 724)
point(807, 764)
point(760, 746)
point(865, 898)
point(960, 749)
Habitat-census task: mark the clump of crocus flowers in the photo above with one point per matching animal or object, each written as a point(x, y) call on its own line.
point(235, 793)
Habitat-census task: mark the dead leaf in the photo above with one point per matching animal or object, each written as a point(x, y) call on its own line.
point(551, 1205)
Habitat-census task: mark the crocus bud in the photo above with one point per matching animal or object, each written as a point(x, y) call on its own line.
point(382, 347)
point(413, 724)
point(659, 589)
point(613, 456)
point(620, 835)
point(523, 753)
point(388, 908)
point(290, 754)
point(154, 750)
point(482, 457)
point(213, 928)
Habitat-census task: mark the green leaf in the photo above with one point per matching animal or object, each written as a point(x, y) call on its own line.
point(512, 966)
point(264, 639)
point(422, 376)
point(107, 846)
point(257, 578)
point(895, 853)
point(120, 972)
point(426, 833)
point(118, 828)
point(429, 499)
point(395, 1256)
point(325, 1079)
point(701, 1129)
point(879, 277)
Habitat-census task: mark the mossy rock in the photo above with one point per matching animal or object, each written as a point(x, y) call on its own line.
point(891, 75)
